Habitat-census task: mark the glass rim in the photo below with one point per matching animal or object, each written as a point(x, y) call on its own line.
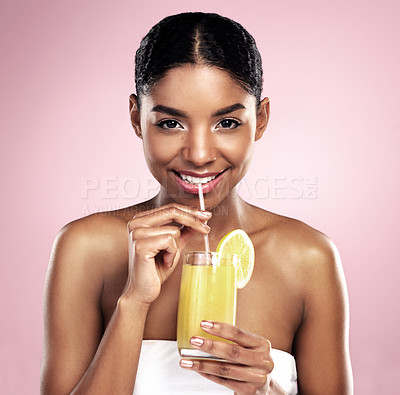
point(209, 258)
point(212, 253)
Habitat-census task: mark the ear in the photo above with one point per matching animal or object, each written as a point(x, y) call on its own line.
point(134, 114)
point(262, 118)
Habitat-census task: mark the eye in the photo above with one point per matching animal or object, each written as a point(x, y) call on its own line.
point(229, 124)
point(169, 124)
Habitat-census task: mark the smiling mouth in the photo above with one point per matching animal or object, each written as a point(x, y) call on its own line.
point(197, 180)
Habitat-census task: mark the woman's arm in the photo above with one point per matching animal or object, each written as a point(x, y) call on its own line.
point(77, 357)
point(321, 343)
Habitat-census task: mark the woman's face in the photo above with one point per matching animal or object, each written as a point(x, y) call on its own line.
point(198, 126)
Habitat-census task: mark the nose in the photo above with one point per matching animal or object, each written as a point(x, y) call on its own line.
point(199, 147)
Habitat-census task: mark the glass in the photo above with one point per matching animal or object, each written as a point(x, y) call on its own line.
point(208, 292)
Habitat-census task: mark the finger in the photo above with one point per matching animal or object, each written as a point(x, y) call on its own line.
point(203, 215)
point(171, 214)
point(148, 248)
point(235, 334)
point(144, 232)
point(194, 211)
point(234, 352)
point(228, 370)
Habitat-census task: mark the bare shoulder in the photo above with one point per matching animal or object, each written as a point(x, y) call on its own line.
point(292, 237)
point(92, 245)
point(302, 252)
point(94, 234)
point(305, 260)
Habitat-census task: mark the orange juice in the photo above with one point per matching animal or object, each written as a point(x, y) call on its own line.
point(208, 292)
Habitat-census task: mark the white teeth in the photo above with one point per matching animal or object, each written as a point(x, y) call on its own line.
point(196, 180)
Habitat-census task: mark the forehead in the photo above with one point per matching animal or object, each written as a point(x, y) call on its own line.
point(190, 86)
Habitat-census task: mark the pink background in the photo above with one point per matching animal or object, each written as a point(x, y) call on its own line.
point(329, 158)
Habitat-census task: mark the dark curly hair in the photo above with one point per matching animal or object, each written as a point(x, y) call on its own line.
point(198, 38)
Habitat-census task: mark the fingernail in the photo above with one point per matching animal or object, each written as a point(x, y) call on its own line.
point(206, 324)
point(186, 363)
point(204, 213)
point(196, 341)
point(205, 226)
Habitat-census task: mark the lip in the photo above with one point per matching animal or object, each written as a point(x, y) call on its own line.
point(193, 188)
point(199, 175)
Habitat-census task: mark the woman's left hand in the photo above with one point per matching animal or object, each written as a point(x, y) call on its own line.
point(249, 361)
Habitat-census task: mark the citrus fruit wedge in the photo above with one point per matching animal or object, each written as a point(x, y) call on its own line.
point(239, 243)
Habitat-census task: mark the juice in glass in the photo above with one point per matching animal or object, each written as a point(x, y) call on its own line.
point(208, 292)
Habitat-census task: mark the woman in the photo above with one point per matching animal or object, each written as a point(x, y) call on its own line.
point(198, 111)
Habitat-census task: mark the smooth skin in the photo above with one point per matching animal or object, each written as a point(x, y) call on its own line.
point(105, 294)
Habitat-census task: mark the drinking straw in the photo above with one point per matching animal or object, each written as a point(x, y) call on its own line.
point(202, 207)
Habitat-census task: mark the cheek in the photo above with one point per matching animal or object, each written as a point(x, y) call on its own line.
point(159, 149)
point(239, 149)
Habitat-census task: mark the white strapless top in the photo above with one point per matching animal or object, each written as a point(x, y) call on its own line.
point(159, 372)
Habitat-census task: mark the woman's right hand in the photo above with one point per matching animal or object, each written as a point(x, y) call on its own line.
point(155, 246)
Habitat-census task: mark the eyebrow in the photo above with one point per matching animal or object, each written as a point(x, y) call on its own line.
point(177, 113)
point(169, 110)
point(227, 110)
